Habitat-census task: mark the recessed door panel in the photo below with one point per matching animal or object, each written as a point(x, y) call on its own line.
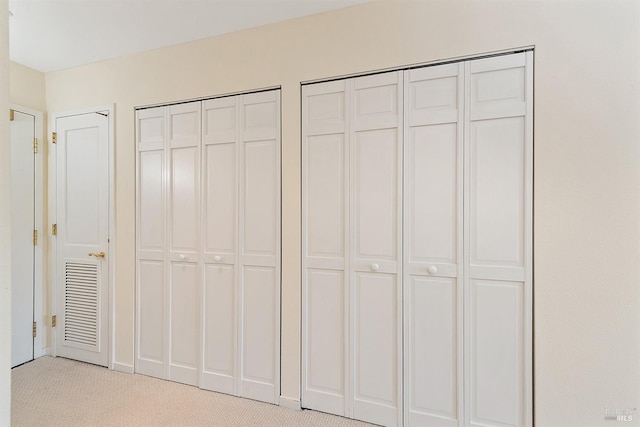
point(151, 315)
point(184, 199)
point(375, 348)
point(220, 319)
point(151, 201)
point(497, 192)
point(259, 330)
point(220, 199)
point(325, 196)
point(376, 194)
point(433, 349)
point(326, 335)
point(260, 200)
point(184, 323)
point(433, 181)
point(497, 345)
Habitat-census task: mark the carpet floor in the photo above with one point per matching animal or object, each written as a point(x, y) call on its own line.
point(60, 392)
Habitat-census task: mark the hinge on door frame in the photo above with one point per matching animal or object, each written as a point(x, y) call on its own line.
point(11, 115)
point(35, 237)
point(54, 229)
point(54, 137)
point(35, 329)
point(35, 145)
point(53, 321)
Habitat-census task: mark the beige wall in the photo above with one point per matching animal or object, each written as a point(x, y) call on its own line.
point(587, 157)
point(27, 87)
point(5, 223)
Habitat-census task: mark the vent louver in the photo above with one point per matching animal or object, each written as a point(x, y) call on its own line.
point(81, 304)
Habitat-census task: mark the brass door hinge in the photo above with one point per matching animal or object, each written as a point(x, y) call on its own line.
point(53, 321)
point(35, 328)
point(12, 115)
point(54, 229)
point(35, 237)
point(54, 138)
point(35, 145)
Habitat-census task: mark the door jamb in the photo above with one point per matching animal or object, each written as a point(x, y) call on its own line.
point(109, 110)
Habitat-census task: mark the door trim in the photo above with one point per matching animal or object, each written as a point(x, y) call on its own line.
point(109, 110)
point(38, 259)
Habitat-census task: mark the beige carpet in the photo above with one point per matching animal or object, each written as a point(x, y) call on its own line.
point(60, 392)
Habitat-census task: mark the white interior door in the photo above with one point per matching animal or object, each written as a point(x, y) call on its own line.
point(433, 245)
point(151, 241)
point(375, 265)
point(82, 211)
point(498, 230)
point(23, 226)
point(325, 245)
point(259, 249)
point(220, 136)
point(168, 239)
point(184, 240)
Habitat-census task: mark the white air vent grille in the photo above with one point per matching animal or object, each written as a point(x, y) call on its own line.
point(81, 304)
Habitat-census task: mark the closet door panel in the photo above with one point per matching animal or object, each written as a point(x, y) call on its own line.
point(151, 243)
point(497, 350)
point(260, 246)
point(259, 340)
point(432, 363)
point(220, 320)
point(325, 202)
point(184, 276)
point(151, 318)
point(184, 336)
point(220, 200)
point(184, 200)
point(376, 212)
point(260, 202)
point(497, 203)
point(375, 348)
point(219, 179)
point(433, 242)
point(499, 240)
point(325, 181)
point(325, 354)
point(376, 198)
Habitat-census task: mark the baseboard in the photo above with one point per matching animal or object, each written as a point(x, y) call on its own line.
point(289, 403)
point(123, 367)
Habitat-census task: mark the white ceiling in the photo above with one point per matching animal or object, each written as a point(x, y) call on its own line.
point(51, 35)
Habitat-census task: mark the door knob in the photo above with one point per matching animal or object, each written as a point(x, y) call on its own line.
point(98, 255)
point(375, 267)
point(432, 269)
point(181, 256)
point(217, 258)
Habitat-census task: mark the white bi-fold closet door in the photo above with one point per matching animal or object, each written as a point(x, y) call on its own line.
point(208, 223)
point(439, 332)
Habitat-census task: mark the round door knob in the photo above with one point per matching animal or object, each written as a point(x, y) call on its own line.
point(181, 256)
point(217, 258)
point(375, 267)
point(432, 269)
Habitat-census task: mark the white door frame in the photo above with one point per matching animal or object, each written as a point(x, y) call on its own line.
point(109, 111)
point(38, 259)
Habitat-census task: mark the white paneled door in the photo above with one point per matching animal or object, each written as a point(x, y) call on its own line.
point(209, 244)
point(432, 280)
point(23, 227)
point(498, 240)
point(352, 183)
point(168, 340)
point(416, 267)
point(82, 215)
